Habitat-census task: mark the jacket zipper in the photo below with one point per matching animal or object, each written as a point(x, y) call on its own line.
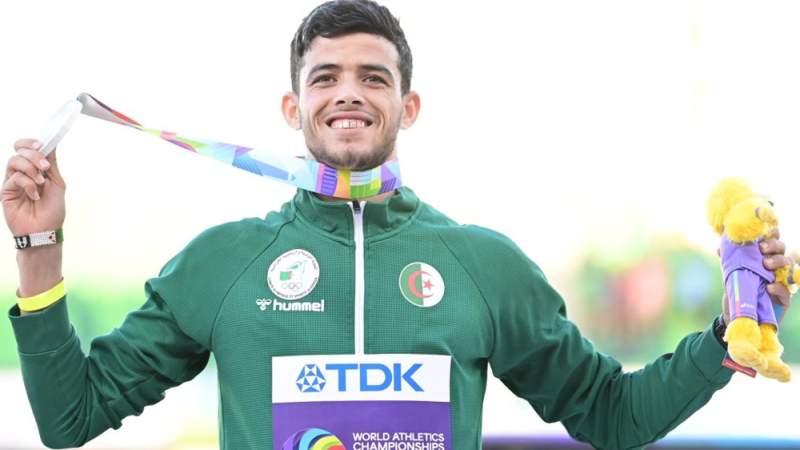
point(358, 235)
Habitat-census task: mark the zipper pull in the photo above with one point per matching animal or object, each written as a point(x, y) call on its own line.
point(357, 206)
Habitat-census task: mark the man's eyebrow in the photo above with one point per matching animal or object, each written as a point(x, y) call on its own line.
point(363, 67)
point(325, 66)
point(377, 68)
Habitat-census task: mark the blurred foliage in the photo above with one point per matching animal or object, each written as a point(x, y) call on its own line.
point(638, 302)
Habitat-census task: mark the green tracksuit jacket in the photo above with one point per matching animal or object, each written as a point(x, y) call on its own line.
point(220, 295)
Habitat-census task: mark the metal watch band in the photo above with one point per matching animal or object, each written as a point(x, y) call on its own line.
point(39, 239)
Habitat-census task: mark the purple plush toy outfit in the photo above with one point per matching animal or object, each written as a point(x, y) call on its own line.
point(746, 281)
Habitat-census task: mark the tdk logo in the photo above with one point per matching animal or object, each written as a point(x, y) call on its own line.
point(372, 377)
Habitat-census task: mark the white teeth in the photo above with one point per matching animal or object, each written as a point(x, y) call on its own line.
point(348, 123)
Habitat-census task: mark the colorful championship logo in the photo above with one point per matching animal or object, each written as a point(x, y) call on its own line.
point(293, 275)
point(421, 284)
point(313, 439)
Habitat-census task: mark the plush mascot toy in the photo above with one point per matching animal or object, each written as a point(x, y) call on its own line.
point(743, 219)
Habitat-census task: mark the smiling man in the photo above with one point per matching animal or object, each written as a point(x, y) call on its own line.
point(336, 323)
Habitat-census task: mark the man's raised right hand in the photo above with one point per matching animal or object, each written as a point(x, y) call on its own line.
point(33, 190)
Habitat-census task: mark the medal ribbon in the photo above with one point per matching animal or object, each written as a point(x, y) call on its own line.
point(303, 173)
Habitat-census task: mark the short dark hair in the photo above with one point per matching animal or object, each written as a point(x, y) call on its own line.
point(340, 17)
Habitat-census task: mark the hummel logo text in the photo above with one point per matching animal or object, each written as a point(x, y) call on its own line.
point(290, 306)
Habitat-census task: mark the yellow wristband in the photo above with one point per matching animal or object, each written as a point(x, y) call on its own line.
point(43, 300)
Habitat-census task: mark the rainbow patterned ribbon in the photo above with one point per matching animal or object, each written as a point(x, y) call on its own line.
point(303, 173)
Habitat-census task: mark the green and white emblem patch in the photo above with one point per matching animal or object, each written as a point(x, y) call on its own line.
point(421, 285)
point(293, 275)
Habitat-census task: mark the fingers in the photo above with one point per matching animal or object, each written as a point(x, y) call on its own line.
point(27, 143)
point(24, 171)
point(774, 234)
point(780, 294)
point(776, 262)
point(30, 161)
point(18, 181)
point(774, 251)
point(772, 247)
point(23, 162)
point(35, 145)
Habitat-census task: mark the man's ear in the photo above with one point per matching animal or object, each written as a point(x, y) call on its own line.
point(410, 109)
point(291, 113)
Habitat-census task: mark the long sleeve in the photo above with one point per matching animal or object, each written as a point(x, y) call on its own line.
point(166, 342)
point(542, 357)
point(75, 397)
point(548, 363)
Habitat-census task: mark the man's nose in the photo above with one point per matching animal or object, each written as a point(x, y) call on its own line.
point(349, 95)
point(349, 99)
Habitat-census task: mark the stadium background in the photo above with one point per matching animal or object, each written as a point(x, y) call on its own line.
point(588, 132)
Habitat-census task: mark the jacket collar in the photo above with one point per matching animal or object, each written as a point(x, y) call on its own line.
point(336, 217)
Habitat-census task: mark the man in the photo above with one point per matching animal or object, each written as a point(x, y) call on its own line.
point(334, 323)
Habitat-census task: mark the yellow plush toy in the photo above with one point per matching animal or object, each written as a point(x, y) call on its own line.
point(743, 219)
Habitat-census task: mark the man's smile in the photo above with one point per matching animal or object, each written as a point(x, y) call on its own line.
point(348, 120)
point(348, 123)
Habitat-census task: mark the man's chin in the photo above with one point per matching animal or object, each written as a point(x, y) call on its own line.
point(352, 159)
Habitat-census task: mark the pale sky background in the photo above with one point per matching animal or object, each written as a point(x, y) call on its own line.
point(559, 123)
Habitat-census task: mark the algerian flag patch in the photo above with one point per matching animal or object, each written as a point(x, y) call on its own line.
point(421, 284)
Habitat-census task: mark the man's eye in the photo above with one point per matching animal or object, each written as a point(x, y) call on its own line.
point(322, 79)
point(375, 79)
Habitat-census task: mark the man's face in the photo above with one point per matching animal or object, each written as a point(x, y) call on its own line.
point(349, 104)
